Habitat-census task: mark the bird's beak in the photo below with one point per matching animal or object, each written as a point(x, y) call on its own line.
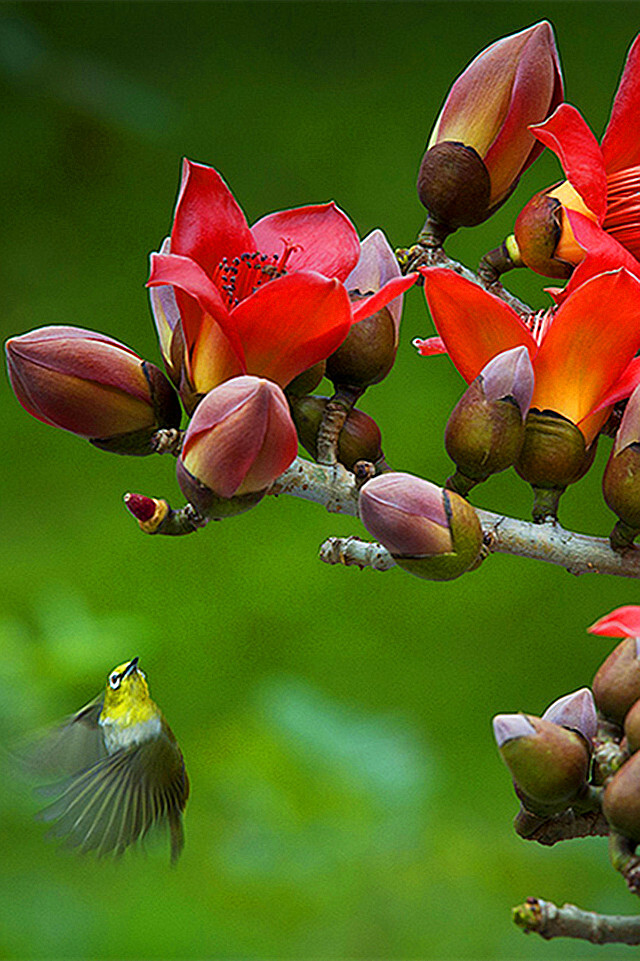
point(131, 667)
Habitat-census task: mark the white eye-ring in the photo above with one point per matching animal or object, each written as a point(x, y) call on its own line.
point(114, 680)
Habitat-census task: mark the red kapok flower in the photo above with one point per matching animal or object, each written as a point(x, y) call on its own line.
point(581, 351)
point(267, 300)
point(602, 188)
point(623, 622)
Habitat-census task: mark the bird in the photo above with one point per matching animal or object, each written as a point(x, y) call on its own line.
point(119, 770)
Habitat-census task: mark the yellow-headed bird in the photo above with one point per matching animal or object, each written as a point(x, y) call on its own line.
point(124, 772)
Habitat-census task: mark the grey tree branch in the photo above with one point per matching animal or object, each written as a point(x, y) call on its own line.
point(550, 921)
point(334, 487)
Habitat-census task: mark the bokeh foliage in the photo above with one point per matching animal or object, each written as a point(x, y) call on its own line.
point(347, 800)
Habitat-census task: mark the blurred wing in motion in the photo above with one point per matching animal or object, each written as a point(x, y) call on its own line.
point(113, 803)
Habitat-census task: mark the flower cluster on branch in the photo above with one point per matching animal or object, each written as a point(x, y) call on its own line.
point(251, 319)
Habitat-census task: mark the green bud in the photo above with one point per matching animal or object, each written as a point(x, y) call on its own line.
point(621, 481)
point(367, 354)
point(359, 439)
point(552, 457)
point(621, 800)
point(616, 686)
point(632, 727)
point(485, 431)
point(549, 764)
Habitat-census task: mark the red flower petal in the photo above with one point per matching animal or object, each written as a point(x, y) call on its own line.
point(602, 253)
point(623, 622)
point(326, 239)
point(567, 134)
point(430, 347)
point(291, 323)
point(621, 141)
point(474, 324)
point(202, 298)
point(594, 335)
point(208, 223)
point(624, 386)
point(392, 289)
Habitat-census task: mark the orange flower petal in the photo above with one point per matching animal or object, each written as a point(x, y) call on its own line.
point(474, 324)
point(594, 335)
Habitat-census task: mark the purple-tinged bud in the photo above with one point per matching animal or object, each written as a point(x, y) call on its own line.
point(481, 142)
point(549, 764)
point(616, 686)
point(553, 456)
point(621, 481)
point(621, 799)
point(359, 439)
point(431, 532)
point(240, 439)
point(485, 432)
point(575, 711)
point(93, 386)
point(368, 353)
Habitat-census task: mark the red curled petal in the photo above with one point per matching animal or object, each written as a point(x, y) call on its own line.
point(392, 289)
point(430, 347)
point(592, 339)
point(202, 298)
point(291, 323)
point(322, 237)
point(602, 253)
point(621, 142)
point(567, 134)
point(623, 622)
point(473, 324)
point(208, 223)
point(623, 387)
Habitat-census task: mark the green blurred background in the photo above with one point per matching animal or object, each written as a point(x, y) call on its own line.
point(348, 800)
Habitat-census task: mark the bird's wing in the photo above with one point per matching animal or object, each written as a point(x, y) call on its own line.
point(69, 748)
point(114, 803)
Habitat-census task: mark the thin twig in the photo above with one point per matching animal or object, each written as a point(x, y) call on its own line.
point(549, 921)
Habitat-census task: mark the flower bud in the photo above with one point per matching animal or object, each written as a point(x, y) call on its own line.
point(621, 481)
point(430, 532)
point(616, 686)
point(553, 456)
point(367, 354)
point(359, 439)
point(576, 711)
point(240, 439)
point(621, 799)
point(543, 237)
point(307, 381)
point(93, 386)
point(632, 728)
point(481, 142)
point(549, 764)
point(485, 432)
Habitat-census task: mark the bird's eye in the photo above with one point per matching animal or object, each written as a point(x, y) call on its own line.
point(114, 680)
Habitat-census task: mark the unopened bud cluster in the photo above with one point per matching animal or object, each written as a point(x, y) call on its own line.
point(582, 755)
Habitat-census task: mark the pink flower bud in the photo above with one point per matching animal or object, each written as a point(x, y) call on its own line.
point(91, 385)
point(431, 532)
point(240, 439)
point(481, 142)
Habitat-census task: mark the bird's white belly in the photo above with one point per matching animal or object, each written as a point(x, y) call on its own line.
point(121, 736)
